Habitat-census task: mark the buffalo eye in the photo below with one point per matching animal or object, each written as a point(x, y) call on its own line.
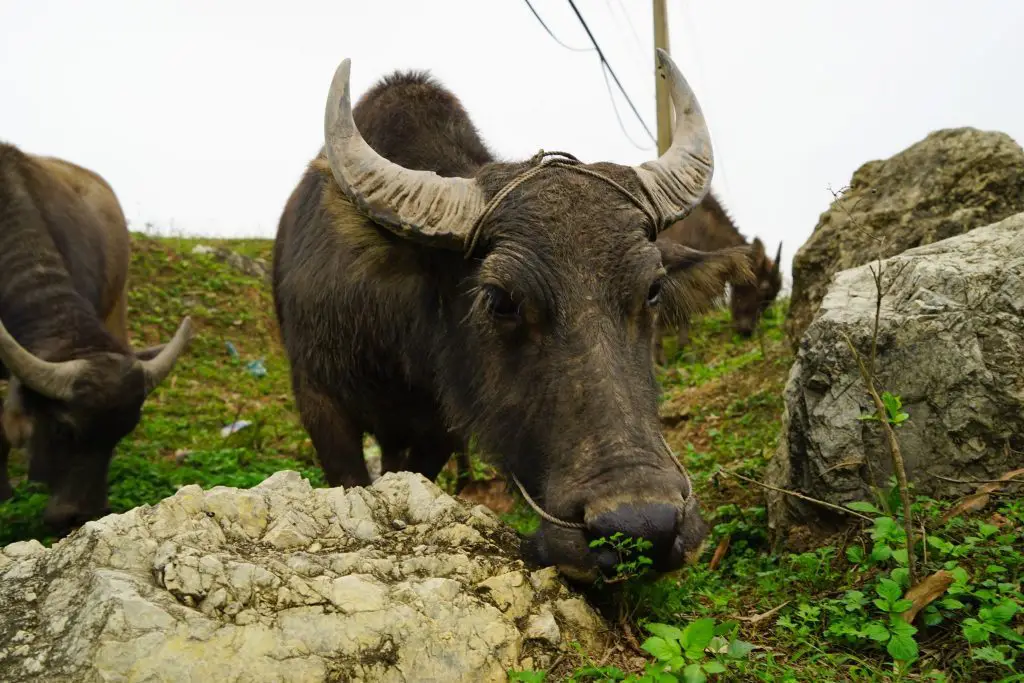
point(500, 304)
point(654, 293)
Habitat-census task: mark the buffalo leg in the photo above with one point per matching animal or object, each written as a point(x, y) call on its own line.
point(5, 484)
point(463, 470)
point(392, 455)
point(430, 454)
point(683, 336)
point(337, 439)
point(5, 447)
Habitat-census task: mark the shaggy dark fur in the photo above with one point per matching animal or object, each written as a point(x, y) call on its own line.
point(540, 345)
point(64, 254)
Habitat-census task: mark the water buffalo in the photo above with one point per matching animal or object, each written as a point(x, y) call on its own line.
point(75, 386)
point(709, 227)
point(427, 293)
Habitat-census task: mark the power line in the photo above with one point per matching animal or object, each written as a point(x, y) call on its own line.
point(605, 70)
point(604, 63)
point(567, 47)
point(622, 126)
point(629, 22)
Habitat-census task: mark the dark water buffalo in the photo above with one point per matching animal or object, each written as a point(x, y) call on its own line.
point(709, 227)
point(427, 292)
point(75, 387)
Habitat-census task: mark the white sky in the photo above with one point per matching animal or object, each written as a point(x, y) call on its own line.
point(203, 113)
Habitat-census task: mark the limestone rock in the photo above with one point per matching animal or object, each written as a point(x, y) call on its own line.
point(949, 183)
point(254, 267)
point(950, 344)
point(284, 582)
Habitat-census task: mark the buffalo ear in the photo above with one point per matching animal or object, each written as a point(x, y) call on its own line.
point(696, 279)
point(757, 251)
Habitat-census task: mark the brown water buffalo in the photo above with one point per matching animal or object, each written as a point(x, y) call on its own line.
point(709, 227)
point(427, 293)
point(75, 387)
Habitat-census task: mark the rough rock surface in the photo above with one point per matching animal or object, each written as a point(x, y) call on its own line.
point(950, 344)
point(255, 267)
point(283, 582)
point(947, 184)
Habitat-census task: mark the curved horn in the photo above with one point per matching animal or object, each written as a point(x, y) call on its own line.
point(777, 265)
point(678, 180)
point(53, 380)
point(159, 367)
point(419, 205)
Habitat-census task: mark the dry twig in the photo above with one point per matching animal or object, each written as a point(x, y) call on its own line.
point(758, 618)
point(894, 450)
point(801, 496)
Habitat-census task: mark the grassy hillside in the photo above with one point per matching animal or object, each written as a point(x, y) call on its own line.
point(821, 615)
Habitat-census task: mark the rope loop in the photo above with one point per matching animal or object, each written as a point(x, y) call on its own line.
point(537, 165)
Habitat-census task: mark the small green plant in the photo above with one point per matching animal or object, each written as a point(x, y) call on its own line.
point(893, 409)
point(682, 655)
point(632, 562)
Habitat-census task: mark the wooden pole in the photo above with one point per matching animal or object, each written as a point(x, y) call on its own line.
point(661, 85)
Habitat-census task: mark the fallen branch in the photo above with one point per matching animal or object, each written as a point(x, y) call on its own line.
point(926, 592)
point(758, 618)
point(720, 551)
point(1010, 478)
point(801, 496)
point(983, 494)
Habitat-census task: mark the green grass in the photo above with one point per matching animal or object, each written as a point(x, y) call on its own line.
point(721, 409)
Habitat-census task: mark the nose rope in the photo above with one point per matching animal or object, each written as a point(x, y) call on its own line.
point(540, 511)
point(537, 166)
point(579, 525)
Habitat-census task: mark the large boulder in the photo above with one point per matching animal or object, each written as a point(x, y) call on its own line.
point(950, 344)
point(947, 184)
point(283, 582)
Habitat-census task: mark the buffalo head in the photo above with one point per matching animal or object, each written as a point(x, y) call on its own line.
point(69, 415)
point(547, 282)
point(749, 300)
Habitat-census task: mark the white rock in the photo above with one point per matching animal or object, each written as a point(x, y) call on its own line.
point(283, 582)
point(950, 344)
point(542, 626)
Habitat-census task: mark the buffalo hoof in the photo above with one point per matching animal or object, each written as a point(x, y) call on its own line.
point(63, 519)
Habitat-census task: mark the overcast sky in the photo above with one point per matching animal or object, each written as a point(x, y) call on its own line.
point(203, 113)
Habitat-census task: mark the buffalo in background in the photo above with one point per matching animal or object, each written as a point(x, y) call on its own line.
point(709, 227)
point(75, 386)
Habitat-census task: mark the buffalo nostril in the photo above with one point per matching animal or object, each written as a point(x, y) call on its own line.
point(656, 523)
point(607, 561)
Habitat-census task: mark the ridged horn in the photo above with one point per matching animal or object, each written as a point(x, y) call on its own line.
point(417, 205)
point(157, 369)
point(53, 380)
point(678, 180)
point(777, 264)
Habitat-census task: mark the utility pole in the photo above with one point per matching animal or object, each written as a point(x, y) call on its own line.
point(661, 84)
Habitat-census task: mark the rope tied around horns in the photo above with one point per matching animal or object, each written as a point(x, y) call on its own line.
point(537, 165)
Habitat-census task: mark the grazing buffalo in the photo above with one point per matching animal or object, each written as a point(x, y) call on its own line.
point(427, 293)
point(709, 227)
point(75, 387)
